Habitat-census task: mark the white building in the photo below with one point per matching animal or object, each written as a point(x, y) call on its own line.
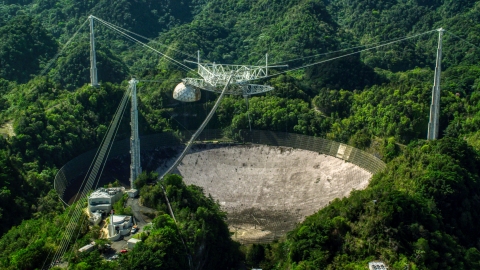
point(95, 218)
point(119, 225)
point(132, 242)
point(102, 199)
point(87, 248)
point(132, 193)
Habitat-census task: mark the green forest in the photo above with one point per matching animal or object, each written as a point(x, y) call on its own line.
point(419, 213)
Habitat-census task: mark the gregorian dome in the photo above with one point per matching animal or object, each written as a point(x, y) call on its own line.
point(186, 93)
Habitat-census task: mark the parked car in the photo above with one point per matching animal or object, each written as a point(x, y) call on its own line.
point(134, 230)
point(114, 257)
point(123, 251)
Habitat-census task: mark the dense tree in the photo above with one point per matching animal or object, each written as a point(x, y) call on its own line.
point(25, 46)
point(421, 212)
point(418, 213)
point(199, 222)
point(74, 70)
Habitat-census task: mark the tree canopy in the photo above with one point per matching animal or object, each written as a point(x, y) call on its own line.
point(419, 213)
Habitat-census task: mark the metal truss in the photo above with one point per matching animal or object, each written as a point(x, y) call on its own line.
point(232, 89)
point(215, 77)
point(216, 74)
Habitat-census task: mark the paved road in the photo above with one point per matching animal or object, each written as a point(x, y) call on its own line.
point(138, 212)
point(121, 244)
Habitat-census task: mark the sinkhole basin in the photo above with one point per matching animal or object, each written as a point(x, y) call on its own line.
point(266, 190)
point(266, 182)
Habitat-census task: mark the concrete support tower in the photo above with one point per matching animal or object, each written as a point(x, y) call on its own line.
point(433, 122)
point(93, 57)
point(135, 167)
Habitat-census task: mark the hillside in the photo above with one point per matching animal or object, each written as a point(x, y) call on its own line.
point(377, 100)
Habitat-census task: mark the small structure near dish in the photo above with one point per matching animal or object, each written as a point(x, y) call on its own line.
point(119, 225)
point(102, 199)
point(95, 217)
point(132, 193)
point(132, 242)
point(87, 248)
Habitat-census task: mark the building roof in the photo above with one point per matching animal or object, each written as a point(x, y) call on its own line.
point(86, 247)
point(105, 192)
point(119, 219)
point(134, 240)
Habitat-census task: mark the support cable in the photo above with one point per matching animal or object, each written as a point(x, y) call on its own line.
point(151, 40)
point(47, 67)
point(185, 68)
point(187, 148)
point(76, 198)
point(466, 41)
point(101, 153)
point(78, 208)
point(100, 157)
point(351, 48)
point(108, 153)
point(345, 55)
point(88, 185)
point(171, 116)
point(200, 129)
point(111, 26)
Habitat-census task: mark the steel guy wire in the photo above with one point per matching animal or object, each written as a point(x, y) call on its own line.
point(189, 145)
point(75, 216)
point(45, 69)
point(151, 40)
point(143, 44)
point(347, 49)
point(110, 145)
point(341, 56)
point(463, 39)
point(72, 209)
point(79, 205)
